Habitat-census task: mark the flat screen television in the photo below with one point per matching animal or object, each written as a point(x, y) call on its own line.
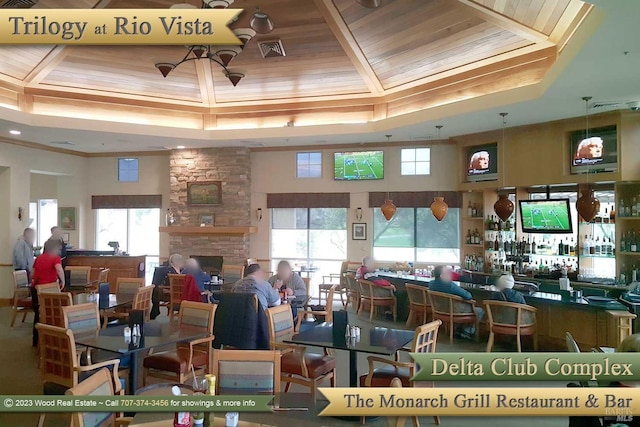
point(595, 152)
point(358, 165)
point(482, 163)
point(550, 216)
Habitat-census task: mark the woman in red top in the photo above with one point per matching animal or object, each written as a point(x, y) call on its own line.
point(46, 269)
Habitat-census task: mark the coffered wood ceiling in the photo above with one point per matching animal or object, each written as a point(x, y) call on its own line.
point(344, 63)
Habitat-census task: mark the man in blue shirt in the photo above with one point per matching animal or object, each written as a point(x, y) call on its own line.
point(255, 282)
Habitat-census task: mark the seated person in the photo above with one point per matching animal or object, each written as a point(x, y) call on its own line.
point(505, 291)
point(367, 271)
point(192, 268)
point(174, 266)
point(291, 282)
point(254, 282)
point(443, 283)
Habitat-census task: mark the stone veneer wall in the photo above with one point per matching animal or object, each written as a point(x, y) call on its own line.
point(231, 166)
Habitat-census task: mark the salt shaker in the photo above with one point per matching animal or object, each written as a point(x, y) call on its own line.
point(127, 332)
point(347, 333)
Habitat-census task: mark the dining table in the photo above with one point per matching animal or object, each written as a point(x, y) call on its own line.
point(378, 340)
point(113, 300)
point(154, 334)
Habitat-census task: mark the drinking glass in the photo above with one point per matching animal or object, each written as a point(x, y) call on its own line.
point(200, 387)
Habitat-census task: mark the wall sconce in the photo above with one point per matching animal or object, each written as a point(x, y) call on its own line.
point(358, 214)
point(259, 214)
point(20, 212)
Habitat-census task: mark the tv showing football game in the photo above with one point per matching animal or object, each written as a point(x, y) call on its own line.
point(594, 151)
point(358, 165)
point(546, 216)
point(482, 162)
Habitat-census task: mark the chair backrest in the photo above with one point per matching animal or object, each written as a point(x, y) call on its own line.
point(449, 304)
point(104, 275)
point(82, 319)
point(176, 287)
point(98, 384)
point(418, 295)
point(572, 345)
point(510, 315)
point(232, 272)
point(197, 316)
point(57, 355)
point(51, 304)
point(426, 337)
point(79, 274)
point(21, 279)
point(367, 291)
point(281, 324)
point(246, 372)
point(307, 285)
point(127, 287)
point(48, 287)
point(142, 300)
point(352, 283)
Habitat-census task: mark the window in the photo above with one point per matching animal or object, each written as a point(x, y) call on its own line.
point(43, 215)
point(414, 235)
point(309, 165)
point(313, 239)
point(136, 231)
point(128, 170)
point(415, 161)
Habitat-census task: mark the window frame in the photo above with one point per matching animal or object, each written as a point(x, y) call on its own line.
point(308, 164)
point(415, 162)
point(128, 170)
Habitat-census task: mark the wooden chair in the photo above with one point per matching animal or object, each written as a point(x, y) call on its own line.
point(453, 310)
point(176, 289)
point(419, 306)
point(98, 384)
point(177, 365)
point(424, 341)
point(507, 318)
point(21, 296)
point(325, 312)
point(103, 276)
point(373, 296)
point(79, 274)
point(50, 307)
point(401, 420)
point(126, 290)
point(142, 300)
point(61, 369)
point(48, 287)
point(297, 365)
point(246, 372)
point(572, 345)
point(232, 273)
point(353, 292)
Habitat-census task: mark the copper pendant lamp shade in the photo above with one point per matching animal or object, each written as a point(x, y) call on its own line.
point(245, 35)
point(165, 68)
point(218, 4)
point(587, 205)
point(234, 78)
point(439, 208)
point(227, 53)
point(388, 209)
point(261, 22)
point(371, 4)
point(503, 207)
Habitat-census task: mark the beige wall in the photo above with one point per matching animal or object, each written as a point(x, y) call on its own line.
point(275, 172)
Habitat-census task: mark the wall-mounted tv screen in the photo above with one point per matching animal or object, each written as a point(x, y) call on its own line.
point(482, 162)
point(546, 216)
point(595, 151)
point(359, 165)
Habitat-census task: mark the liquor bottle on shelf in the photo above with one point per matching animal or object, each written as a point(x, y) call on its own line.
point(474, 211)
point(638, 206)
point(468, 236)
point(592, 246)
point(597, 247)
point(621, 208)
point(605, 217)
point(623, 242)
point(634, 207)
point(572, 248)
point(598, 218)
point(612, 215)
point(634, 243)
point(560, 248)
point(496, 245)
point(533, 246)
point(470, 210)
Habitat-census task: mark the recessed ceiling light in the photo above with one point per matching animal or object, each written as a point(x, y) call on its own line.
point(15, 132)
point(180, 147)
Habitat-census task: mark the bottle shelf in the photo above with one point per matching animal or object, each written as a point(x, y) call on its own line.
point(552, 256)
point(627, 218)
point(629, 253)
point(612, 224)
point(500, 231)
point(472, 218)
point(598, 256)
point(475, 245)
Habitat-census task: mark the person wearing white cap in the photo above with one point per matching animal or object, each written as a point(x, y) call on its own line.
point(506, 292)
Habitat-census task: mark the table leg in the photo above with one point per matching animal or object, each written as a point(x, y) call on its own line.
point(133, 373)
point(353, 368)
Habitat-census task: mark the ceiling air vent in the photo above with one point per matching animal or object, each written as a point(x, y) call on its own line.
point(271, 49)
point(17, 4)
point(608, 104)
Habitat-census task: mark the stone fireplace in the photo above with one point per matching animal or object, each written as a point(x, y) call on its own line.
point(231, 166)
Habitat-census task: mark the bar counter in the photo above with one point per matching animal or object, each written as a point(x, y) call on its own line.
point(119, 266)
point(592, 324)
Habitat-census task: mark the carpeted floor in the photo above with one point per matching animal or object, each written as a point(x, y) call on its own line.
point(19, 375)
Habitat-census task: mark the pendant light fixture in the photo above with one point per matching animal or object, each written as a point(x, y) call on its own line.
point(261, 22)
point(587, 205)
point(439, 207)
point(503, 206)
point(388, 209)
point(371, 4)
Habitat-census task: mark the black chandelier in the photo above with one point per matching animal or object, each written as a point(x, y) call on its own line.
point(221, 55)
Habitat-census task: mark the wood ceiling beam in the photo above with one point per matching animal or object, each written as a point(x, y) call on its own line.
point(573, 16)
point(54, 57)
point(341, 31)
point(205, 81)
point(506, 23)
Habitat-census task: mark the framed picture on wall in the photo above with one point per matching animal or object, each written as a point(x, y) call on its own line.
point(206, 193)
point(67, 218)
point(206, 220)
point(359, 231)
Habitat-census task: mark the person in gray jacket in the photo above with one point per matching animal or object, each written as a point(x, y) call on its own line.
point(23, 251)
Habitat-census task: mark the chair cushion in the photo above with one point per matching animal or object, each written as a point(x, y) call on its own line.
point(505, 330)
point(175, 361)
point(382, 376)
point(24, 302)
point(317, 364)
